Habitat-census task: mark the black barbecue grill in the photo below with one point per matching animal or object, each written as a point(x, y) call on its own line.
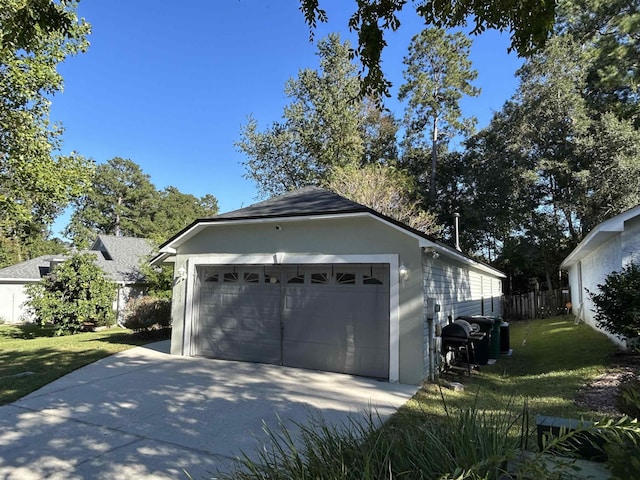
point(458, 338)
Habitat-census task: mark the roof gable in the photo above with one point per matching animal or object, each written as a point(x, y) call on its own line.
point(121, 256)
point(309, 202)
point(305, 201)
point(599, 235)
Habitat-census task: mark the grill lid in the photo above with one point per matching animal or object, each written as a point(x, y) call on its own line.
point(458, 329)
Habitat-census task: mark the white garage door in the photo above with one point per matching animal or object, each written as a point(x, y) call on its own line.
point(323, 317)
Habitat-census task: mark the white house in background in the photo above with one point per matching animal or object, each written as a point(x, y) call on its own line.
point(118, 257)
point(609, 247)
point(313, 280)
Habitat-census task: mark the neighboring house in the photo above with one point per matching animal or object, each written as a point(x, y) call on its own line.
point(313, 280)
point(609, 247)
point(118, 257)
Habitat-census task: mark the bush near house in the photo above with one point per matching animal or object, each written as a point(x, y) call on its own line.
point(617, 304)
point(148, 313)
point(76, 292)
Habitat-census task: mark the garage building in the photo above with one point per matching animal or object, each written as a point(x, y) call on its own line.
point(313, 280)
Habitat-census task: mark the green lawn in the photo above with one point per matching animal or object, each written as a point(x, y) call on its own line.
point(31, 356)
point(483, 433)
point(552, 359)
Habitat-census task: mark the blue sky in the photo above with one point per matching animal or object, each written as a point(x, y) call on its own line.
point(169, 84)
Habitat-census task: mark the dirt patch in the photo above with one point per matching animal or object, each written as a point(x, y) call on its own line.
point(601, 395)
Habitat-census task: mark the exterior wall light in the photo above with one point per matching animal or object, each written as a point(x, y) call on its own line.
point(182, 273)
point(404, 272)
point(431, 251)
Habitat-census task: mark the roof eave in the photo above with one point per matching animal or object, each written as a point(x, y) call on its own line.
point(19, 280)
point(597, 237)
point(169, 248)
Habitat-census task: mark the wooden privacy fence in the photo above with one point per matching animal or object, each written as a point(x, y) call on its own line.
point(539, 304)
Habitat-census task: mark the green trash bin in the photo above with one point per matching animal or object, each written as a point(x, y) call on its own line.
point(494, 346)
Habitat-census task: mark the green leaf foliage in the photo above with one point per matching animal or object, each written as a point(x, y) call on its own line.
point(549, 167)
point(617, 304)
point(608, 31)
point(124, 202)
point(326, 125)
point(438, 75)
point(73, 293)
point(35, 184)
point(528, 21)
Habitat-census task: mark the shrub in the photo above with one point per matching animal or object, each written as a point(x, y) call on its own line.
point(148, 313)
point(617, 305)
point(74, 293)
point(629, 400)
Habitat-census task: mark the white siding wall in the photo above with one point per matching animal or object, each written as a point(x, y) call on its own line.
point(595, 267)
point(630, 240)
point(460, 291)
point(12, 296)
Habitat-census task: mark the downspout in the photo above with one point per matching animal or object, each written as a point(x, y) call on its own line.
point(432, 349)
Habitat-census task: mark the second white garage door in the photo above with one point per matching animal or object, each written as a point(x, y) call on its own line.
point(322, 317)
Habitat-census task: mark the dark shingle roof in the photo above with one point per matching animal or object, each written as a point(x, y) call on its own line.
point(306, 201)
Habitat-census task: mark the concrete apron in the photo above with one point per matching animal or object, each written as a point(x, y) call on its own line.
point(145, 414)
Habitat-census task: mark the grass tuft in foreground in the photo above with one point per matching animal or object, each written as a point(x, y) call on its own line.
point(484, 432)
point(466, 444)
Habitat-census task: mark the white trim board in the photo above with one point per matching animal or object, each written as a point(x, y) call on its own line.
point(280, 258)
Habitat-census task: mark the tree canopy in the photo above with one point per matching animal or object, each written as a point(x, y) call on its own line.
point(385, 189)
point(124, 202)
point(529, 22)
point(438, 74)
point(36, 184)
point(325, 125)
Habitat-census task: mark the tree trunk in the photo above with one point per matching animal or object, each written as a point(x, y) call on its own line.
point(116, 229)
point(434, 158)
point(548, 278)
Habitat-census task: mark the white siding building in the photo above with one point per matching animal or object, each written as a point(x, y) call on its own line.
point(609, 247)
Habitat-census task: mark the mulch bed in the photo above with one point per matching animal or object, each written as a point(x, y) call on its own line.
point(601, 395)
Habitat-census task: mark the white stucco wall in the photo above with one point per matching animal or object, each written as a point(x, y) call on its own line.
point(12, 297)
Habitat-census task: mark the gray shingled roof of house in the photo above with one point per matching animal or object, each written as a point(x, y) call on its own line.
point(33, 269)
point(118, 257)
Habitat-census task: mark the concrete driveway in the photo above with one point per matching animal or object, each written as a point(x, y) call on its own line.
point(145, 414)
